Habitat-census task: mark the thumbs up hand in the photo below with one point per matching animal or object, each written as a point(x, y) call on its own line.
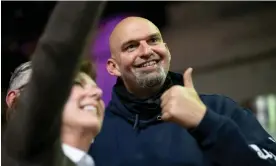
point(182, 105)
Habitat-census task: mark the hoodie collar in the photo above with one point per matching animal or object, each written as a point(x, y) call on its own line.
point(140, 112)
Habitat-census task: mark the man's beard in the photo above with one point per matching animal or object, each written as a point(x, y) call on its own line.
point(152, 79)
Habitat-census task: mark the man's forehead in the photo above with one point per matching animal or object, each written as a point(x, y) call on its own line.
point(134, 29)
point(138, 36)
point(137, 31)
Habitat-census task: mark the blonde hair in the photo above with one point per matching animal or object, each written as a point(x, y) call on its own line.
point(88, 67)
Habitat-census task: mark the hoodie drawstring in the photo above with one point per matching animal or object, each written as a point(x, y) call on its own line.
point(136, 121)
point(159, 117)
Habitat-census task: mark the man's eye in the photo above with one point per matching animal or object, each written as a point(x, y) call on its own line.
point(131, 47)
point(153, 40)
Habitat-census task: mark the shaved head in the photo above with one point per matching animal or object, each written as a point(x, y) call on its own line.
point(126, 26)
point(138, 55)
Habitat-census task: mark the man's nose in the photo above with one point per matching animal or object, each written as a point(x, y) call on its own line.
point(146, 50)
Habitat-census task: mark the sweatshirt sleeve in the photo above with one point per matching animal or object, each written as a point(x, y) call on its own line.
point(230, 135)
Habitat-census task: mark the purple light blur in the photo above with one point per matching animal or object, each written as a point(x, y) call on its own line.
point(100, 52)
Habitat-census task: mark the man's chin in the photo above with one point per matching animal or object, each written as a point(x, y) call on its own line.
point(151, 80)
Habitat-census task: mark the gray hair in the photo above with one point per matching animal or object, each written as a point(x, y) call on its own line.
point(20, 76)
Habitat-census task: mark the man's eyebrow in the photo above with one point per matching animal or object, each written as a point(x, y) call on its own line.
point(155, 35)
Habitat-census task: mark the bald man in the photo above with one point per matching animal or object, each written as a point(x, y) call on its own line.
point(156, 117)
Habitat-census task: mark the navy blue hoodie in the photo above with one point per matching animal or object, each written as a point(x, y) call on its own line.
point(228, 135)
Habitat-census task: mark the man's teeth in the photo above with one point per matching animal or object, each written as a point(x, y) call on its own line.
point(89, 108)
point(151, 63)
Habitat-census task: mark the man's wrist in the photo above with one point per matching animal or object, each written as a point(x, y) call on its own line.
point(207, 125)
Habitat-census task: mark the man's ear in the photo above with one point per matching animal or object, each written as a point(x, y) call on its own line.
point(112, 67)
point(166, 45)
point(11, 97)
point(168, 50)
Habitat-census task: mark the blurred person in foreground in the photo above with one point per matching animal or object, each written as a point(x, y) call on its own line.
point(38, 93)
point(82, 114)
point(156, 117)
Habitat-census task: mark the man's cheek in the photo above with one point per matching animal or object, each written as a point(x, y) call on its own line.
point(161, 50)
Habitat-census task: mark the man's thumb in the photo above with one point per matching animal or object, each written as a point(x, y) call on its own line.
point(188, 81)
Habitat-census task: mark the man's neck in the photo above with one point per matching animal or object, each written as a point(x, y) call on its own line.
point(143, 93)
point(76, 138)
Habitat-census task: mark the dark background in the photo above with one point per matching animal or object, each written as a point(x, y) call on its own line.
point(23, 22)
point(246, 43)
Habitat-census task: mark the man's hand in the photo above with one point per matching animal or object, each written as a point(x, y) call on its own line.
point(182, 105)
